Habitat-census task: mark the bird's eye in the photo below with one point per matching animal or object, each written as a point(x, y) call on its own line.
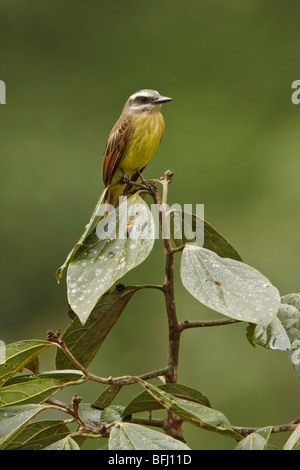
point(143, 99)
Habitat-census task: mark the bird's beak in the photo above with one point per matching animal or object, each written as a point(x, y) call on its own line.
point(162, 99)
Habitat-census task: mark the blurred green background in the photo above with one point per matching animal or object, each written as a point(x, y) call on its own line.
point(232, 139)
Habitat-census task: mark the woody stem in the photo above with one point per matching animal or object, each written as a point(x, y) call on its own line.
point(173, 425)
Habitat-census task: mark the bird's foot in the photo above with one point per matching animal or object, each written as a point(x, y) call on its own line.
point(124, 179)
point(149, 184)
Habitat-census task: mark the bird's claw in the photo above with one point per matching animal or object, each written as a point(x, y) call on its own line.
point(124, 179)
point(149, 185)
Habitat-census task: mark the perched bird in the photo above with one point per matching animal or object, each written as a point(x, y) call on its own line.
point(132, 141)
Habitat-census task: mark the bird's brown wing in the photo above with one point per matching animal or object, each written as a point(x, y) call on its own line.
point(115, 149)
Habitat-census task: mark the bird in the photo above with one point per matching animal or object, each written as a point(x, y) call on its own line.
point(132, 142)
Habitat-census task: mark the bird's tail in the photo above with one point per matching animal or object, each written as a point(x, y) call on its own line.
point(112, 198)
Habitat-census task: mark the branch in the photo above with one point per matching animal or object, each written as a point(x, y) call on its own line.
point(173, 424)
point(168, 287)
point(178, 249)
point(123, 380)
point(151, 286)
point(244, 431)
point(159, 423)
point(184, 325)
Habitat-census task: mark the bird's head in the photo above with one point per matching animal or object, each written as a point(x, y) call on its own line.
point(145, 101)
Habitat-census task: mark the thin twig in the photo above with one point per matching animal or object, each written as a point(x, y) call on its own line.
point(159, 423)
point(178, 249)
point(168, 288)
point(60, 405)
point(122, 380)
point(244, 431)
point(151, 286)
point(172, 425)
point(184, 325)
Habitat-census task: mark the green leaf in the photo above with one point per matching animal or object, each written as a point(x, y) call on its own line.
point(294, 358)
point(250, 332)
point(292, 299)
point(146, 402)
point(213, 240)
point(33, 365)
point(229, 286)
point(128, 436)
point(14, 419)
point(64, 444)
point(85, 340)
point(39, 434)
point(126, 239)
point(94, 417)
point(194, 413)
point(94, 217)
point(108, 395)
point(257, 440)
point(89, 415)
point(111, 413)
point(283, 331)
point(36, 388)
point(17, 355)
point(293, 442)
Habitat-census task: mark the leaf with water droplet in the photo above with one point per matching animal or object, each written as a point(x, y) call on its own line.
point(36, 388)
point(257, 440)
point(39, 434)
point(96, 215)
point(293, 442)
point(128, 436)
point(146, 402)
point(85, 340)
point(284, 330)
point(18, 355)
point(211, 239)
point(13, 419)
point(228, 286)
point(64, 444)
point(192, 412)
point(108, 253)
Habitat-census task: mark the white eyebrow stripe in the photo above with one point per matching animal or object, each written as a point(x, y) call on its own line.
point(141, 95)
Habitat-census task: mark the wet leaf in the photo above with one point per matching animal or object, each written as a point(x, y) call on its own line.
point(111, 413)
point(194, 413)
point(108, 395)
point(293, 442)
point(89, 415)
point(213, 240)
point(39, 434)
point(96, 215)
point(146, 402)
point(128, 436)
point(66, 443)
point(36, 388)
point(229, 286)
point(14, 419)
point(257, 440)
point(121, 242)
point(284, 329)
point(18, 355)
point(85, 340)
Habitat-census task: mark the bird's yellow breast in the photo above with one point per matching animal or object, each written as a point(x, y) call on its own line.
point(144, 140)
